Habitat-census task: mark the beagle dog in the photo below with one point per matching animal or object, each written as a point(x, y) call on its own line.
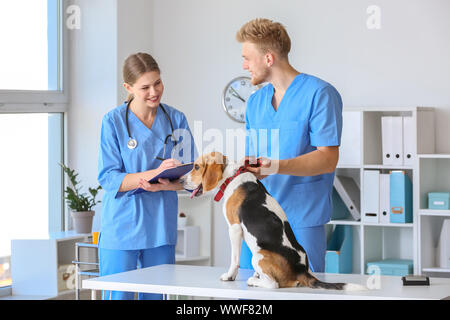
point(254, 215)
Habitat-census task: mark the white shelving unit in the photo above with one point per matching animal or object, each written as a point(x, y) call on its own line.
point(361, 149)
point(35, 263)
point(434, 175)
point(200, 213)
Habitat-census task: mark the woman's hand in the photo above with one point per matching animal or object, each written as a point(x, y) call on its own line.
point(163, 185)
point(167, 164)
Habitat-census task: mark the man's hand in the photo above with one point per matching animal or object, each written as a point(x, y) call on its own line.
point(267, 167)
point(320, 161)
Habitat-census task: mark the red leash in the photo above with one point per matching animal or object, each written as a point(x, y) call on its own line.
point(241, 170)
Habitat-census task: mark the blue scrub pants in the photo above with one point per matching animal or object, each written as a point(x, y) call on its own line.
point(312, 239)
point(115, 261)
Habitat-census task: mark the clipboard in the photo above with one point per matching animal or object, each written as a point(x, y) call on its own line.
point(171, 174)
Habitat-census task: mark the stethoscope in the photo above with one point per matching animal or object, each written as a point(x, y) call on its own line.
point(132, 143)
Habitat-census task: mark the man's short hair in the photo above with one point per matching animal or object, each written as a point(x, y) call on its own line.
point(267, 35)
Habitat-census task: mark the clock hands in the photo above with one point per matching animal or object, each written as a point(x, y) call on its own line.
point(234, 93)
point(233, 108)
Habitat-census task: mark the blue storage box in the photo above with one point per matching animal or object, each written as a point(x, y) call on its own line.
point(439, 200)
point(393, 267)
point(339, 255)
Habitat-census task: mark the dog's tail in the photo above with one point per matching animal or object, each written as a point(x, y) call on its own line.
point(315, 283)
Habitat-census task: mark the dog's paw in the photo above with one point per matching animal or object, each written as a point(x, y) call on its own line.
point(253, 281)
point(227, 277)
point(263, 283)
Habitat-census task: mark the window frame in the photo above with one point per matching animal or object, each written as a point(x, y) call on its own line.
point(48, 101)
point(45, 101)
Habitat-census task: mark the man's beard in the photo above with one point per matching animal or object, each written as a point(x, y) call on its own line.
point(261, 78)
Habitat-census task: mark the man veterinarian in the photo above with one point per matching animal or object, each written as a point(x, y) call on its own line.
point(294, 125)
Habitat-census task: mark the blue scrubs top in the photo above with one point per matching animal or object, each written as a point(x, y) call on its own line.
point(309, 116)
point(149, 219)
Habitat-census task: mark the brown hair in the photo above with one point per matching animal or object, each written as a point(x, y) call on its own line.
point(135, 66)
point(267, 35)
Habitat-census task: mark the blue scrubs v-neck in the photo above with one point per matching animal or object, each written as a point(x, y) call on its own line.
point(157, 126)
point(308, 116)
point(271, 92)
point(149, 219)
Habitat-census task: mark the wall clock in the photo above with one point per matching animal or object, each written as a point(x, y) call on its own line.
point(235, 96)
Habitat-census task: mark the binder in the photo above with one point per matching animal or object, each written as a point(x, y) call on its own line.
point(397, 141)
point(371, 196)
point(386, 140)
point(401, 197)
point(443, 248)
point(350, 148)
point(384, 198)
point(408, 141)
point(340, 210)
point(349, 193)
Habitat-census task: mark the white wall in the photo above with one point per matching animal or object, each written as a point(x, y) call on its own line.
point(110, 31)
point(405, 63)
point(93, 87)
point(134, 34)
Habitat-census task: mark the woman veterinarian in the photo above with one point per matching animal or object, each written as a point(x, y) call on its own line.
point(136, 144)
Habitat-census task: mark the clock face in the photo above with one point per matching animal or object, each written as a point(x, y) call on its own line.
point(235, 96)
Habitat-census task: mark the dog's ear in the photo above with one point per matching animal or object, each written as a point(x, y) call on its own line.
point(212, 175)
point(225, 161)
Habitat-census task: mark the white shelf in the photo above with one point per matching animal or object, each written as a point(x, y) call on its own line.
point(443, 270)
point(59, 236)
point(395, 225)
point(348, 166)
point(350, 222)
point(387, 167)
point(434, 156)
point(359, 223)
point(433, 212)
point(387, 109)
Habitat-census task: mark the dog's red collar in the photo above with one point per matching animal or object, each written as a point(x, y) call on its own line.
point(242, 169)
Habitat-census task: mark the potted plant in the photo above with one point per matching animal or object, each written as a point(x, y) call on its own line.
point(80, 203)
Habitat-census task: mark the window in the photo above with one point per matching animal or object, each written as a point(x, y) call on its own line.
point(31, 63)
point(31, 179)
point(33, 100)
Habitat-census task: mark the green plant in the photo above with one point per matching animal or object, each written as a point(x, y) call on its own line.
point(78, 201)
